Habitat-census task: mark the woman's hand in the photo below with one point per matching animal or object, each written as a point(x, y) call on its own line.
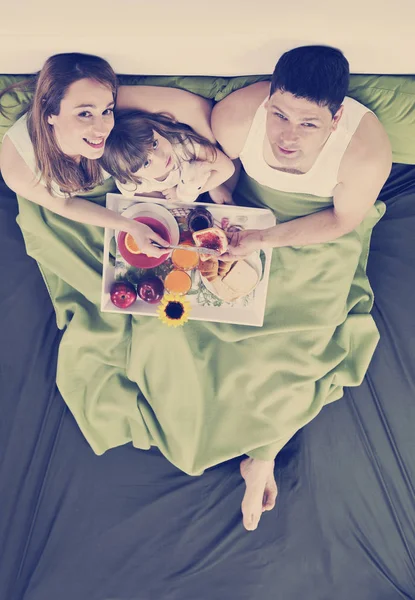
point(144, 235)
point(242, 244)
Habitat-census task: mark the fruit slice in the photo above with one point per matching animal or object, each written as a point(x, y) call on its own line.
point(131, 244)
point(213, 238)
point(178, 282)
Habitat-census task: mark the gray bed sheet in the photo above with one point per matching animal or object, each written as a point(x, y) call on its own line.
point(129, 526)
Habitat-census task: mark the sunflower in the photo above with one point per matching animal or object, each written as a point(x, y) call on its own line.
point(174, 310)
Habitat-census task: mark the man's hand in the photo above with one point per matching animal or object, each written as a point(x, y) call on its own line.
point(261, 490)
point(242, 244)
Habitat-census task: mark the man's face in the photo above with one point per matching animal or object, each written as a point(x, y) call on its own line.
point(85, 119)
point(297, 129)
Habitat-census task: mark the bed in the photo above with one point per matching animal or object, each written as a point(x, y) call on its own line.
point(128, 525)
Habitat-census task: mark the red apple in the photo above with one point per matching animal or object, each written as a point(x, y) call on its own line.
point(150, 289)
point(123, 294)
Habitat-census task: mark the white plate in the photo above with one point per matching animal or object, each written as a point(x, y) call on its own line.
point(253, 261)
point(147, 209)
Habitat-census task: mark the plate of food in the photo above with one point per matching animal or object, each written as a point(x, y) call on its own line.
point(160, 220)
point(230, 281)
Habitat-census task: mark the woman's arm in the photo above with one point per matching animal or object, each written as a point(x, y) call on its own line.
point(23, 182)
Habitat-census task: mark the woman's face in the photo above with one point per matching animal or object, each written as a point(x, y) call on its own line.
point(85, 119)
point(160, 160)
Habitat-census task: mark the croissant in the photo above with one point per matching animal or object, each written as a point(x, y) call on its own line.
point(209, 269)
point(224, 267)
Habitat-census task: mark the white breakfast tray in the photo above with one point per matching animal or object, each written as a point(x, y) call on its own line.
point(205, 306)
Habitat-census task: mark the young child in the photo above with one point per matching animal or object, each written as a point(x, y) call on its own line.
point(151, 153)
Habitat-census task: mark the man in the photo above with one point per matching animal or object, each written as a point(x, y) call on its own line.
point(301, 134)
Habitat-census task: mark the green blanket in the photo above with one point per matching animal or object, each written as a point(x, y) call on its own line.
point(208, 392)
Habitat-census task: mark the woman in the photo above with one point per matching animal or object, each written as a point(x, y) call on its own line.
point(50, 154)
point(153, 154)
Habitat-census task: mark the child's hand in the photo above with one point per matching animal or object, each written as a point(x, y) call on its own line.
point(170, 194)
point(221, 195)
point(193, 177)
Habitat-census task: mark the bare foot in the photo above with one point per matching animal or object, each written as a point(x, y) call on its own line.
point(261, 490)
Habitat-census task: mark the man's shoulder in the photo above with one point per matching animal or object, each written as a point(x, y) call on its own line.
point(369, 150)
point(251, 94)
point(184, 106)
point(232, 117)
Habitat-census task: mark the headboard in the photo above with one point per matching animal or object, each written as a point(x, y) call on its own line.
point(216, 37)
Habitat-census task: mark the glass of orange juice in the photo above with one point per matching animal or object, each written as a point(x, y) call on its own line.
point(185, 259)
point(178, 282)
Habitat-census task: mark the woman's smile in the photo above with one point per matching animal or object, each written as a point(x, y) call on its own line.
point(97, 143)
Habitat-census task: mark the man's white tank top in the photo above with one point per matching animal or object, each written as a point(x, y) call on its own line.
point(322, 178)
point(19, 135)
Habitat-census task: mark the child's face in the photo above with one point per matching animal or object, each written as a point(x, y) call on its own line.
point(160, 161)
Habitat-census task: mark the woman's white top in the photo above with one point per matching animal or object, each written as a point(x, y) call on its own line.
point(20, 138)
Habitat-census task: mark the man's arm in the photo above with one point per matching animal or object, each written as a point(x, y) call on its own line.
point(232, 117)
point(185, 107)
point(231, 121)
point(364, 169)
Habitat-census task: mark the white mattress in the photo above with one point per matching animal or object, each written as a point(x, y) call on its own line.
point(218, 37)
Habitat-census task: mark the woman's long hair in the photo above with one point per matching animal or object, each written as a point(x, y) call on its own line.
point(131, 142)
point(49, 87)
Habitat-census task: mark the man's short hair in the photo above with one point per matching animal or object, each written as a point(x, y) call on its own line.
point(317, 73)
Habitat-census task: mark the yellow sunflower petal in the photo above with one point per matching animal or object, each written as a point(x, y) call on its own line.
point(174, 310)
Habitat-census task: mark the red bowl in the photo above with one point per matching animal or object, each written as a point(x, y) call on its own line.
point(142, 261)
